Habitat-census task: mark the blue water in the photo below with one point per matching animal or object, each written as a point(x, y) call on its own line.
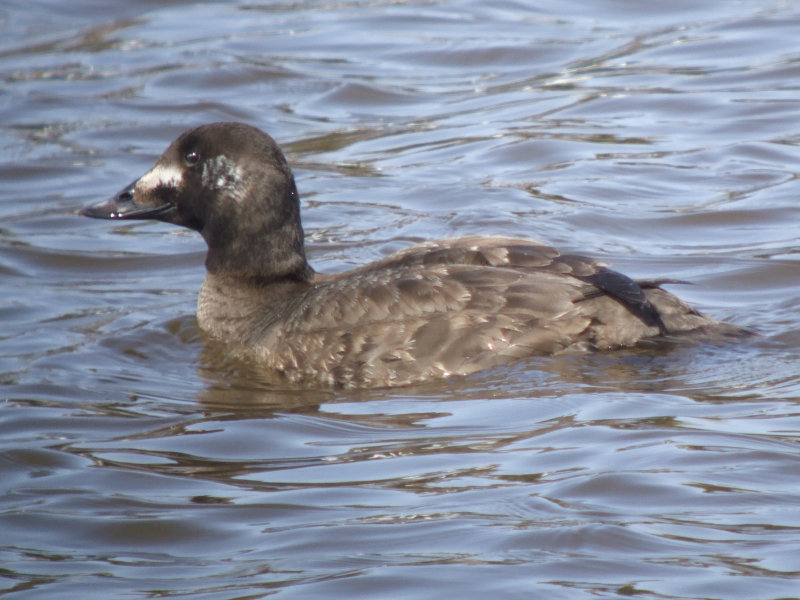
point(135, 462)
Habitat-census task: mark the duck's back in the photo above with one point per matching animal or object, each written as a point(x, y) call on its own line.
point(448, 307)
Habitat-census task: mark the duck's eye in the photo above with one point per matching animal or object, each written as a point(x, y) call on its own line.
point(192, 157)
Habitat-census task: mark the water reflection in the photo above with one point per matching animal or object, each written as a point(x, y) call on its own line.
point(135, 460)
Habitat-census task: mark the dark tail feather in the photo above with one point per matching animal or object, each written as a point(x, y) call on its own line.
point(630, 293)
point(648, 284)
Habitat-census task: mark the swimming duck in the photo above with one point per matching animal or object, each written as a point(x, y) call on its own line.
point(436, 309)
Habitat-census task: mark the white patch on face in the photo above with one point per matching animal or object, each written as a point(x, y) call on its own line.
point(160, 176)
point(223, 174)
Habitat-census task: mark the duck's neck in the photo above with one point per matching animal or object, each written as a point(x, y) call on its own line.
point(260, 248)
point(260, 259)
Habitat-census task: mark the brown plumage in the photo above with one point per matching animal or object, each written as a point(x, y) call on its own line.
point(449, 307)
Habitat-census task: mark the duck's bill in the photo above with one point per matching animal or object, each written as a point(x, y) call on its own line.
point(123, 206)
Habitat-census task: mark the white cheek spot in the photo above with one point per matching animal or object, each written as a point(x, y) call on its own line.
point(223, 174)
point(160, 176)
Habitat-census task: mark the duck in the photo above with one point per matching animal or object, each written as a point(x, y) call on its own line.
point(437, 309)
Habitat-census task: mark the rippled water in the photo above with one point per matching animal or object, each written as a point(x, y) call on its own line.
point(662, 136)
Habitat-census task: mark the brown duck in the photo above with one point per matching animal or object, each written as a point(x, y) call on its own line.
point(442, 308)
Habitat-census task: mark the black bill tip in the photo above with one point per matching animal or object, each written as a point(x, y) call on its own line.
point(123, 206)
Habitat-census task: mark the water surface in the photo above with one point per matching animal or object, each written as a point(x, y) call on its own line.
point(662, 136)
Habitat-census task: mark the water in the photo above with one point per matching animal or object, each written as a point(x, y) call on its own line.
point(661, 136)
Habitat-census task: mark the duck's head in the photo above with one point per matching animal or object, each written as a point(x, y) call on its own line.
point(230, 182)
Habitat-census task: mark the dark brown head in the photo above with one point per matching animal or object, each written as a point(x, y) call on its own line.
point(230, 182)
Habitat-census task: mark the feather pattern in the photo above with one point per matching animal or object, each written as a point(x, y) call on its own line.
point(451, 307)
point(448, 307)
